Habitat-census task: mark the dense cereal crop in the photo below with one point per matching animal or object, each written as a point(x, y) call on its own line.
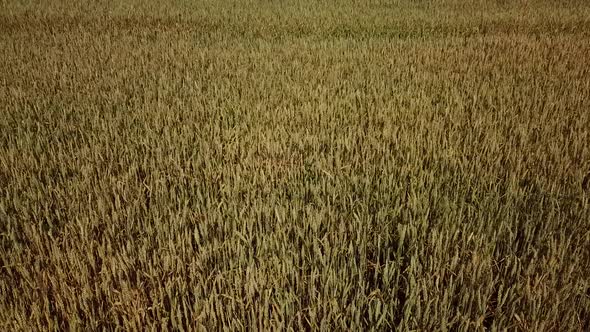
point(295, 165)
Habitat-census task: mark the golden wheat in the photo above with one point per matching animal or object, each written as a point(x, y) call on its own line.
point(259, 165)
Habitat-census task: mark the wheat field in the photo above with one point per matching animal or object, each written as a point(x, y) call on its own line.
point(295, 165)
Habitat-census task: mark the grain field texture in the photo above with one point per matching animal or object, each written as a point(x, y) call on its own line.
point(295, 165)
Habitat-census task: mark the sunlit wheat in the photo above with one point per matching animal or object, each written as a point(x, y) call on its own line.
point(295, 165)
